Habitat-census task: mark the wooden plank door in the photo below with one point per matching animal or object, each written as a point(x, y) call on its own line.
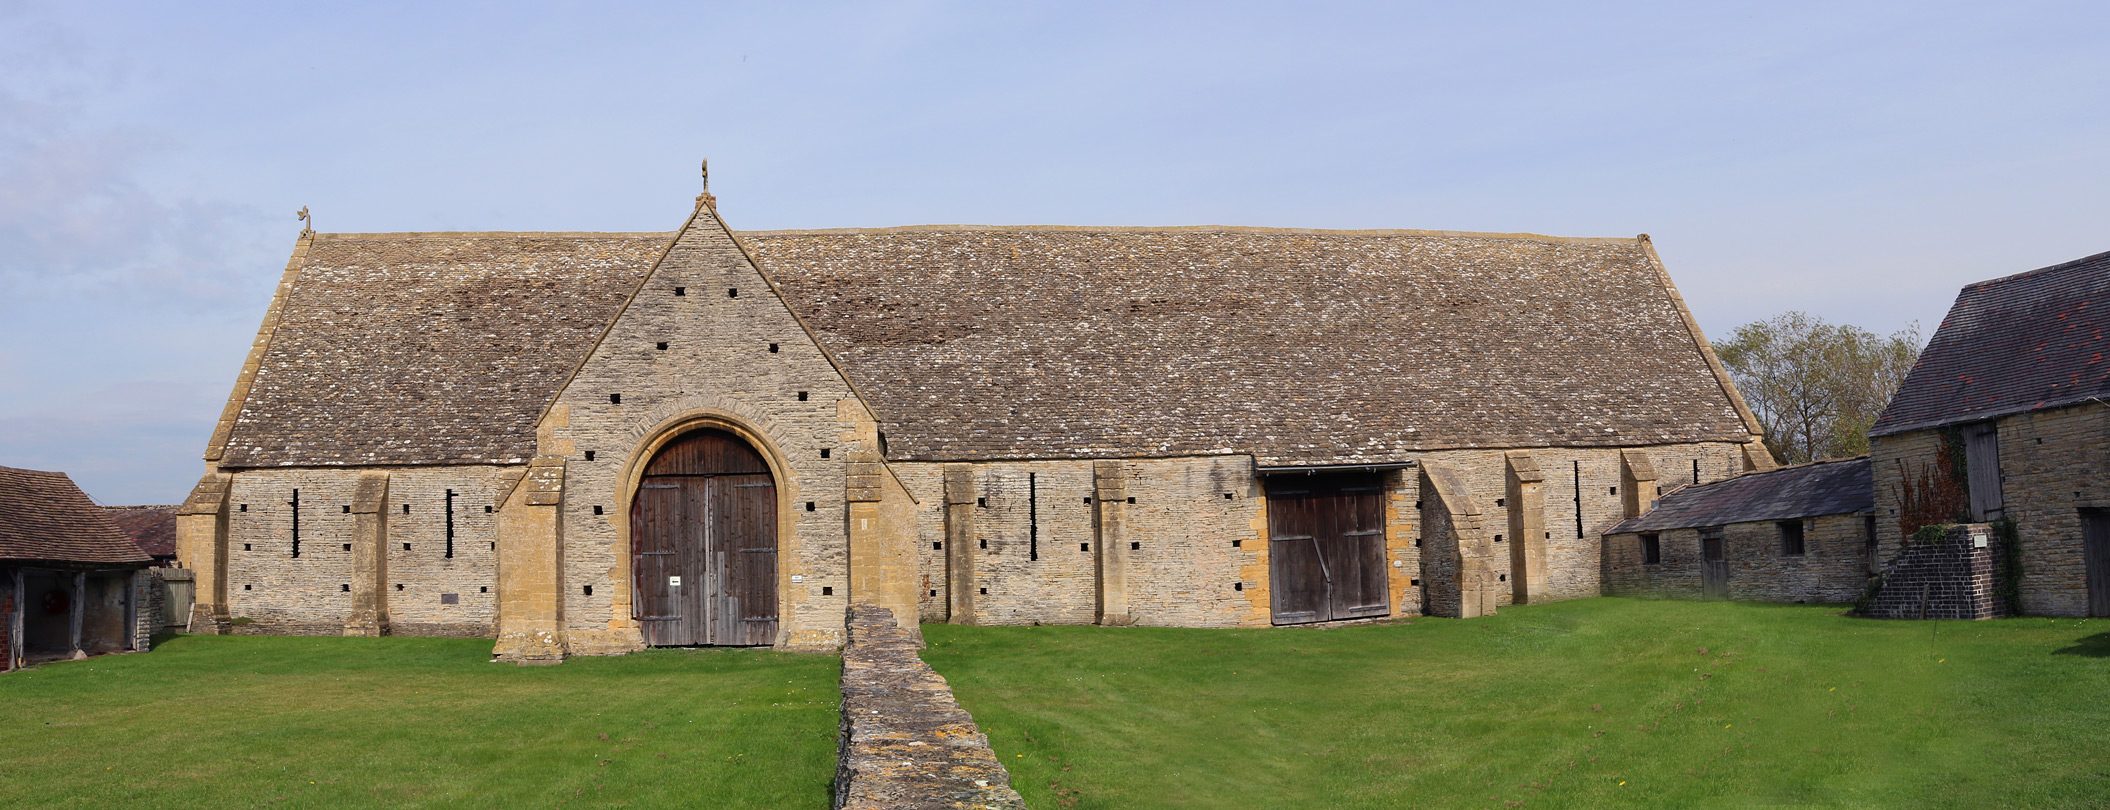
point(1714, 568)
point(1326, 548)
point(2095, 554)
point(704, 545)
point(1981, 442)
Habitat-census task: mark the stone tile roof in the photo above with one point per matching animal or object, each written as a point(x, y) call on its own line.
point(432, 348)
point(152, 528)
point(1300, 347)
point(2021, 343)
point(44, 517)
point(1805, 490)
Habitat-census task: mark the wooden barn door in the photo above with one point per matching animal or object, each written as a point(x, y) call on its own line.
point(1326, 547)
point(2095, 555)
point(703, 544)
point(1714, 566)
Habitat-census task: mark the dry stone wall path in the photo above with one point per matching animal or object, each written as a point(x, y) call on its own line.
point(906, 744)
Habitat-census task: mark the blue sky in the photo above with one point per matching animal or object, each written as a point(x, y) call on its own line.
point(1857, 161)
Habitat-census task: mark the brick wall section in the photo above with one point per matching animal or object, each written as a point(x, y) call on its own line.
point(1832, 568)
point(717, 362)
point(306, 596)
point(905, 742)
point(1952, 579)
point(2054, 462)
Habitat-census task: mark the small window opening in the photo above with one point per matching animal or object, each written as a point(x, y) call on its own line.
point(615, 399)
point(1500, 501)
point(406, 508)
point(483, 589)
point(406, 546)
point(1227, 496)
point(662, 345)
point(1417, 542)
point(772, 348)
point(827, 590)
point(937, 546)
point(344, 588)
point(679, 291)
point(802, 396)
point(934, 593)
point(1502, 578)
point(1615, 490)
point(732, 293)
point(982, 502)
point(347, 547)
point(1790, 538)
point(1868, 530)
point(589, 590)
point(597, 510)
point(1414, 582)
point(985, 542)
point(1235, 543)
point(1417, 504)
point(245, 507)
point(347, 509)
point(1084, 547)
point(985, 591)
point(1087, 500)
point(1651, 549)
point(809, 506)
point(824, 452)
point(1131, 500)
point(245, 547)
point(487, 510)
point(1135, 547)
point(1498, 538)
point(1237, 586)
point(589, 455)
point(245, 586)
point(399, 586)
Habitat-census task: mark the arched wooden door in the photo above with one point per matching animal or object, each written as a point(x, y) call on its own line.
point(703, 544)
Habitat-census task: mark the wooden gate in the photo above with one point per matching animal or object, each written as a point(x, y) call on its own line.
point(2095, 553)
point(703, 544)
point(1326, 547)
point(1714, 566)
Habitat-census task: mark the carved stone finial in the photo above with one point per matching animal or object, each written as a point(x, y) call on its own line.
point(302, 215)
point(706, 198)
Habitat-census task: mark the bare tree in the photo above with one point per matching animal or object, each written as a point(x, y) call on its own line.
point(1817, 387)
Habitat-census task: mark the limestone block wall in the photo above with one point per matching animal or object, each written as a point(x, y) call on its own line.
point(1186, 572)
point(308, 595)
point(1832, 568)
point(705, 336)
point(2053, 464)
point(1575, 559)
point(1403, 545)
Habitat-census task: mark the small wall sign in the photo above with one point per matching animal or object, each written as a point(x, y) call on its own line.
point(673, 582)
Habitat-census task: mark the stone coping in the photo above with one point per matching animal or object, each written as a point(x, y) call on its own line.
point(906, 744)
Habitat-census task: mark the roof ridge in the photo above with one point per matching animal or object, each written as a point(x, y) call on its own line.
point(2065, 265)
point(1534, 237)
point(462, 234)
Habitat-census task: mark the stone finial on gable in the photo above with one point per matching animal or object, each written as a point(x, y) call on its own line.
point(706, 199)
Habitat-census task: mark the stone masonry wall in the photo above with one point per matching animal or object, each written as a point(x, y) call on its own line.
point(2053, 464)
point(905, 743)
point(307, 595)
point(1832, 568)
point(1951, 579)
point(726, 347)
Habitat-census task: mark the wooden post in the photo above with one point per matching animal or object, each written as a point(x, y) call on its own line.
point(75, 608)
point(132, 609)
point(15, 630)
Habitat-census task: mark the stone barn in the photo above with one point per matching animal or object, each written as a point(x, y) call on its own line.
point(1794, 534)
point(2003, 419)
point(72, 584)
point(584, 443)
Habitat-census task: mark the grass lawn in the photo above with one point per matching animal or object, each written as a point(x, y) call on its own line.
point(1592, 703)
point(249, 721)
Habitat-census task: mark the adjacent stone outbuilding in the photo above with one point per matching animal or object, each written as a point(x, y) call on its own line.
point(1795, 534)
point(588, 443)
point(2003, 419)
point(72, 584)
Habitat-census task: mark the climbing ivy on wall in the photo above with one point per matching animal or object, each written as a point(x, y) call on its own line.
point(2008, 581)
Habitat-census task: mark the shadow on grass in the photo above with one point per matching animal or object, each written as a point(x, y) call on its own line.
point(2095, 646)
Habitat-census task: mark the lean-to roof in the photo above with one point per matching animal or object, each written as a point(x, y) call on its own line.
point(152, 528)
point(1297, 346)
point(1805, 490)
point(44, 517)
point(429, 348)
point(2028, 341)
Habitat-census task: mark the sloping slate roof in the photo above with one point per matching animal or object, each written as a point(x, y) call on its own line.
point(1301, 347)
point(1807, 490)
point(152, 528)
point(45, 517)
point(2009, 345)
point(435, 348)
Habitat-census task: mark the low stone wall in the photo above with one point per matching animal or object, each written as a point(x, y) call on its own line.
point(906, 744)
point(1952, 579)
